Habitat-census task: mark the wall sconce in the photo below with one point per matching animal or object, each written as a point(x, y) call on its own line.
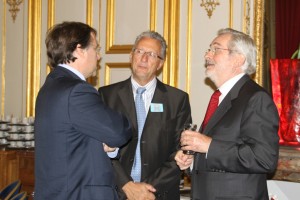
point(209, 6)
point(14, 7)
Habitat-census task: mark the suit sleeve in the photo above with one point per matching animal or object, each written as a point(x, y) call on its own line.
point(91, 117)
point(257, 145)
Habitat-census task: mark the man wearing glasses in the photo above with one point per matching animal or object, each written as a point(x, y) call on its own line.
point(145, 167)
point(238, 145)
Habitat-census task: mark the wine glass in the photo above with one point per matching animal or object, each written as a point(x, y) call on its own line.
point(191, 127)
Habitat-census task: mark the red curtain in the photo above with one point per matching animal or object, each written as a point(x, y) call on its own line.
point(285, 74)
point(287, 27)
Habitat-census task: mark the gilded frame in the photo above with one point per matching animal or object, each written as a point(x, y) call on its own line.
point(108, 66)
point(111, 47)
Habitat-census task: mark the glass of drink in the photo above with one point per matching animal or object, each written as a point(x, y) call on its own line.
point(191, 127)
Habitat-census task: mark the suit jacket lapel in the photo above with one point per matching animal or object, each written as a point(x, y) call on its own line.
point(126, 94)
point(226, 103)
point(158, 97)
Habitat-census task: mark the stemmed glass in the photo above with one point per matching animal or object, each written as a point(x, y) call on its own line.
point(191, 127)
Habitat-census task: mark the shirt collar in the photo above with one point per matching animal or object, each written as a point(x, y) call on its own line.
point(226, 87)
point(72, 69)
point(150, 86)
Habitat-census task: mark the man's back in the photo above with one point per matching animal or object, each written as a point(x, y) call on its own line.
point(70, 162)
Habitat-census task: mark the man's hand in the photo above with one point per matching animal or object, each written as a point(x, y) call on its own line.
point(195, 141)
point(108, 149)
point(184, 161)
point(139, 191)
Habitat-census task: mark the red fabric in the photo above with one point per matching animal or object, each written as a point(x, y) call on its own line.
point(287, 27)
point(285, 75)
point(212, 106)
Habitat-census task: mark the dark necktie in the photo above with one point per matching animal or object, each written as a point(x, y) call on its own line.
point(212, 106)
point(141, 117)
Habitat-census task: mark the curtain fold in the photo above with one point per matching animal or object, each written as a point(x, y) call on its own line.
point(287, 27)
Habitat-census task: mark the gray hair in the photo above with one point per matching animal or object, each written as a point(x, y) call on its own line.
point(243, 44)
point(153, 35)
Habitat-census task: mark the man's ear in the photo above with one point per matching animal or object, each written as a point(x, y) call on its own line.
point(239, 60)
point(161, 63)
point(79, 51)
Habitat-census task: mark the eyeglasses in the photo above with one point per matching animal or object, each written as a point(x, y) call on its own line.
point(216, 50)
point(150, 54)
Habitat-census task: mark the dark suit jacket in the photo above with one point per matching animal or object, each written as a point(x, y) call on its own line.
point(160, 137)
point(70, 126)
point(244, 146)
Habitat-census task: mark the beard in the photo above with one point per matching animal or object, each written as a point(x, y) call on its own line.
point(211, 74)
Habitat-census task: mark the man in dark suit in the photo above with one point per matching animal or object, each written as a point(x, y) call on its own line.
point(168, 109)
point(72, 126)
point(238, 146)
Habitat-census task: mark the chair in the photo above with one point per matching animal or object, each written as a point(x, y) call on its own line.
point(20, 196)
point(10, 190)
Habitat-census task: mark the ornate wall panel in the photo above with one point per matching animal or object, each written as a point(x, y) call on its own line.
point(114, 72)
point(185, 25)
point(117, 12)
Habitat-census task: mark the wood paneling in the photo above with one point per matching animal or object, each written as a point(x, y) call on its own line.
point(17, 164)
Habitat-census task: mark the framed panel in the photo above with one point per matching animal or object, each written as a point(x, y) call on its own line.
point(111, 47)
point(123, 71)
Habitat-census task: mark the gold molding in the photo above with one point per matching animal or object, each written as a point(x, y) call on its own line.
point(34, 51)
point(230, 13)
point(188, 48)
point(50, 22)
point(209, 6)
point(258, 38)
point(112, 48)
point(246, 17)
point(108, 66)
point(3, 60)
point(89, 20)
point(153, 13)
point(171, 34)
point(14, 7)
point(89, 12)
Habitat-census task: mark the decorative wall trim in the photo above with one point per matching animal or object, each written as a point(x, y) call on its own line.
point(258, 38)
point(153, 13)
point(171, 34)
point(246, 17)
point(34, 52)
point(89, 20)
point(51, 20)
point(108, 66)
point(14, 9)
point(230, 13)
point(209, 6)
point(3, 59)
point(188, 46)
point(89, 12)
point(112, 48)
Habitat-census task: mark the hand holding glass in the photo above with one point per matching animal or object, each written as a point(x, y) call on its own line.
point(191, 127)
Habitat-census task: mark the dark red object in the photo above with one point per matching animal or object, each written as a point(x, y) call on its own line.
point(212, 106)
point(285, 75)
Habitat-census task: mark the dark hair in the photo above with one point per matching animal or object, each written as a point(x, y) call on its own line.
point(62, 39)
point(153, 35)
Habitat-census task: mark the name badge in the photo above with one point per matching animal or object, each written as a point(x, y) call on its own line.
point(156, 107)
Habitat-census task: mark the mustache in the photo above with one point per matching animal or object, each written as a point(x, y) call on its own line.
point(208, 62)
